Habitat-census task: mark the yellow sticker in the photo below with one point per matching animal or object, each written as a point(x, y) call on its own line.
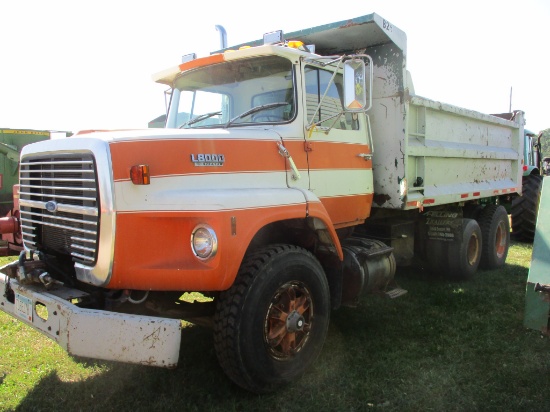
point(32, 132)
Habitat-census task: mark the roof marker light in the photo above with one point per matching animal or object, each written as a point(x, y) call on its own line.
point(295, 44)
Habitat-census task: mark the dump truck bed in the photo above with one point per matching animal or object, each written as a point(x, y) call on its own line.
point(449, 154)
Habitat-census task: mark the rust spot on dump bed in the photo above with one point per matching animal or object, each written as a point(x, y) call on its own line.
point(381, 199)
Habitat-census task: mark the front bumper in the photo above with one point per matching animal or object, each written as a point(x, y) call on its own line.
point(92, 333)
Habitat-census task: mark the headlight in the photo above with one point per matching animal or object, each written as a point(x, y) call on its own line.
point(204, 242)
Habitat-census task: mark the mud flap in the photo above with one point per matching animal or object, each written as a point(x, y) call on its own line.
point(443, 225)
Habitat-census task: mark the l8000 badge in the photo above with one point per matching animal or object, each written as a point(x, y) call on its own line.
point(203, 159)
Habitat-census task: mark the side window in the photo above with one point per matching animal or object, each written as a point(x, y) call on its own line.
point(331, 112)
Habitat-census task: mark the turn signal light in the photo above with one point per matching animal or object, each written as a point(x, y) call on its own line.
point(140, 174)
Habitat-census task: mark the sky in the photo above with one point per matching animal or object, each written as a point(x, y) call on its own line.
point(78, 65)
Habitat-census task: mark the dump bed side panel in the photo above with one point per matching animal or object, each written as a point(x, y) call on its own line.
point(455, 154)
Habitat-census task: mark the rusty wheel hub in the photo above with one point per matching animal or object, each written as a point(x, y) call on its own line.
point(288, 320)
point(500, 240)
point(473, 250)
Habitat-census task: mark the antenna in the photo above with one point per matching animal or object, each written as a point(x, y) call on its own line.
point(510, 111)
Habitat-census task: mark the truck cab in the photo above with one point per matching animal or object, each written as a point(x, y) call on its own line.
point(299, 98)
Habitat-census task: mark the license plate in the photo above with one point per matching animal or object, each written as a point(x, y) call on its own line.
point(23, 307)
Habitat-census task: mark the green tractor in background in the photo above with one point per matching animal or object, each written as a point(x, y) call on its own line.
point(11, 143)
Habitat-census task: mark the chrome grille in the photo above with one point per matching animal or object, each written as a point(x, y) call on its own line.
point(59, 203)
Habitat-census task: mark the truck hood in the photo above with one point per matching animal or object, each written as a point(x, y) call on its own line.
point(149, 134)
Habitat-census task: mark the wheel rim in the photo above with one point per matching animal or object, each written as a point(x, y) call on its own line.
point(288, 320)
point(500, 240)
point(473, 249)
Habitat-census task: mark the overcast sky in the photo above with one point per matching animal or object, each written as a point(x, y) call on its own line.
point(74, 65)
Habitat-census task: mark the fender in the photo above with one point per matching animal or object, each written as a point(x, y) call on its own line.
point(236, 215)
point(530, 169)
point(153, 241)
point(316, 210)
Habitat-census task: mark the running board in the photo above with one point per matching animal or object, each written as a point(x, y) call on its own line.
point(394, 293)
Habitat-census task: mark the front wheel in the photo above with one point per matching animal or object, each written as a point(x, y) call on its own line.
point(272, 323)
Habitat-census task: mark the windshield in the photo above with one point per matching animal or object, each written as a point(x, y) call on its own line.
point(258, 90)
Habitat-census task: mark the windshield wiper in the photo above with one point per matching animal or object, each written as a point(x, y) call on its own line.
point(201, 117)
point(255, 110)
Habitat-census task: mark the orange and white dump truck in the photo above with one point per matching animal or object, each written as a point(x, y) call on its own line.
point(294, 174)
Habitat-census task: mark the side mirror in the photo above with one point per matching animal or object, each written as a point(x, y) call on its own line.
point(357, 91)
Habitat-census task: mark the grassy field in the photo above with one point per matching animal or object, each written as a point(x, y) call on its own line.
point(442, 347)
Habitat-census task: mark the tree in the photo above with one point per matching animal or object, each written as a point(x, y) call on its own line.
point(545, 142)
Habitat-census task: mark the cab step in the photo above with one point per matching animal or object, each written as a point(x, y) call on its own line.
point(394, 293)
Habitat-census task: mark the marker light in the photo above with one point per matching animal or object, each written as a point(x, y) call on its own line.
point(295, 44)
point(204, 242)
point(525, 168)
point(140, 174)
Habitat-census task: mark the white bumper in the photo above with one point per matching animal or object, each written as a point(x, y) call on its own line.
point(93, 333)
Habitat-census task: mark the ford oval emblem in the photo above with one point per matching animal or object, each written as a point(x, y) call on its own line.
point(51, 206)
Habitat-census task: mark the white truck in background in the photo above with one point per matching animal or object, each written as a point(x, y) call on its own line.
point(293, 175)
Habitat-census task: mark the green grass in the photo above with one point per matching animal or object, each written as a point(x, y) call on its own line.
point(444, 346)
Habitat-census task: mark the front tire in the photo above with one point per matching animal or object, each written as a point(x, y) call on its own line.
point(272, 323)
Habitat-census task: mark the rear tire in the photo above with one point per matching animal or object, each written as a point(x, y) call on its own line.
point(495, 232)
point(464, 256)
point(271, 324)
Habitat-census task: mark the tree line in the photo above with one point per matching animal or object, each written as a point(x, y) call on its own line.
point(545, 143)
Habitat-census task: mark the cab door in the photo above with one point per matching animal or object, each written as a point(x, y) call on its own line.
point(339, 154)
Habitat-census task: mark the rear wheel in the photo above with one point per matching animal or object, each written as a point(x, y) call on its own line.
point(464, 256)
point(495, 232)
point(272, 323)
